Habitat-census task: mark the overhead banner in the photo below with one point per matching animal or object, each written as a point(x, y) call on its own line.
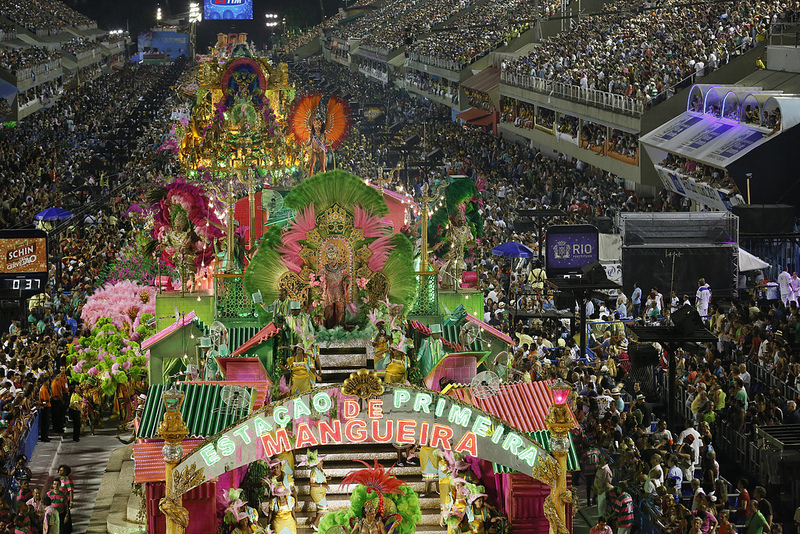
point(721, 199)
point(228, 9)
point(401, 415)
point(715, 142)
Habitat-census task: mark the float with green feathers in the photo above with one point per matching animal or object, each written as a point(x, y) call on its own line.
point(336, 216)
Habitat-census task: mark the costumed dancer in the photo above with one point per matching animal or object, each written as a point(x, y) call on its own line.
point(463, 495)
point(280, 311)
point(398, 364)
point(319, 126)
point(319, 487)
point(484, 516)
point(381, 342)
point(459, 235)
point(428, 465)
point(280, 306)
point(241, 515)
point(282, 471)
point(432, 350)
point(299, 323)
point(450, 466)
point(335, 285)
point(303, 366)
point(317, 148)
point(282, 519)
point(375, 519)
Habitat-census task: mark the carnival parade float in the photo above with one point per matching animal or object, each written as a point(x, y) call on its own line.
point(304, 374)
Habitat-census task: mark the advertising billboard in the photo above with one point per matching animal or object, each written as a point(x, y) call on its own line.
point(227, 9)
point(23, 263)
point(23, 251)
point(570, 247)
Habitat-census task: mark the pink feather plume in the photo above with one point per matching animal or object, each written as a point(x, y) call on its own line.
point(304, 221)
point(373, 226)
point(381, 248)
point(290, 247)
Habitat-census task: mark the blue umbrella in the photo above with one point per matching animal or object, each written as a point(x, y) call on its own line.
point(53, 214)
point(512, 249)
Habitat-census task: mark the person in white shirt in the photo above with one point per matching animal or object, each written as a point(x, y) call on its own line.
point(794, 286)
point(697, 446)
point(703, 298)
point(745, 376)
point(784, 284)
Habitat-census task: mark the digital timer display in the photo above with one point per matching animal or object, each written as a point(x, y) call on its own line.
point(23, 263)
point(23, 284)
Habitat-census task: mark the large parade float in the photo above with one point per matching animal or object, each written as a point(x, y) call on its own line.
point(318, 361)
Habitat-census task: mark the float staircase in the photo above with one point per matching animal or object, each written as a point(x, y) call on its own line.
point(339, 461)
point(337, 362)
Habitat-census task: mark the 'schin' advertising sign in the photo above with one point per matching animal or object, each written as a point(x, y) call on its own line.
point(228, 9)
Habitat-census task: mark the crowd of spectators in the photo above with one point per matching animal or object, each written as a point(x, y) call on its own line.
point(63, 12)
point(298, 38)
point(480, 100)
point(30, 15)
point(641, 50)
point(7, 31)
point(477, 32)
point(104, 134)
point(15, 60)
point(423, 16)
point(84, 134)
point(79, 45)
point(441, 87)
point(48, 17)
point(44, 93)
point(713, 176)
point(375, 21)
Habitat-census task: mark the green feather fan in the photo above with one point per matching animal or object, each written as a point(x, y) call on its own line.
point(399, 271)
point(263, 273)
point(271, 238)
point(325, 189)
point(461, 190)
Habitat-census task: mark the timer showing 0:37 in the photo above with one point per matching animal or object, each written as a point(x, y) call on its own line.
point(23, 284)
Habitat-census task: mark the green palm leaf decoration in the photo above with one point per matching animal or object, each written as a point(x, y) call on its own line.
point(263, 273)
point(399, 271)
point(327, 188)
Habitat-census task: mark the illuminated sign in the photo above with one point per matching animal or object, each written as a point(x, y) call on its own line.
point(401, 415)
point(23, 251)
point(227, 9)
point(570, 247)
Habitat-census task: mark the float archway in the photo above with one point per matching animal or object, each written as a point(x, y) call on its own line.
point(399, 414)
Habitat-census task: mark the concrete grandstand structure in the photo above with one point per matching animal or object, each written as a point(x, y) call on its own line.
point(46, 47)
point(496, 82)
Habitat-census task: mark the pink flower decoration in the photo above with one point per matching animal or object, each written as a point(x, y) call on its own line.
point(94, 371)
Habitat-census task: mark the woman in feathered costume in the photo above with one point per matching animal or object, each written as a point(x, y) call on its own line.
point(306, 123)
point(380, 504)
